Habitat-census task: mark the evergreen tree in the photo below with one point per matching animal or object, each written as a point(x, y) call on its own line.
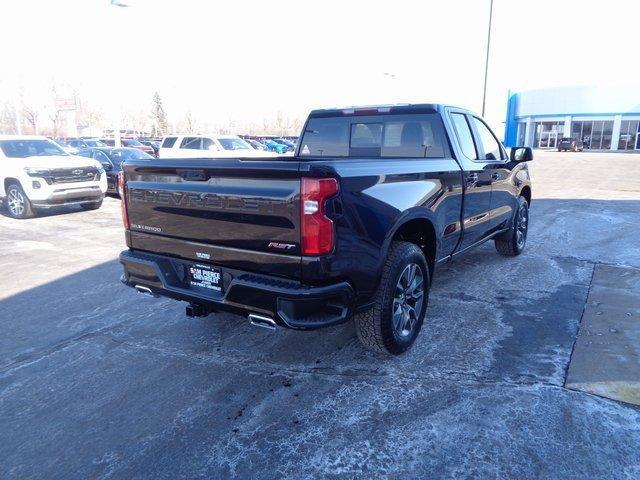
point(159, 115)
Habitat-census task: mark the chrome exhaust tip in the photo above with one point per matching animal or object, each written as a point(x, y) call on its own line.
point(144, 290)
point(260, 321)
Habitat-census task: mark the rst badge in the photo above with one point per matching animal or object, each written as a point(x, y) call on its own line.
point(281, 246)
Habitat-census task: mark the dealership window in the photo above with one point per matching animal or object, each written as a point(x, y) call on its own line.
point(595, 134)
point(601, 135)
point(547, 134)
point(576, 130)
point(607, 133)
point(628, 135)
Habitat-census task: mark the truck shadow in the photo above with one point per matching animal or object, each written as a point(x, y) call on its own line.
point(490, 317)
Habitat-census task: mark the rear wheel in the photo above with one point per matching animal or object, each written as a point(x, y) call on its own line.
point(92, 205)
point(393, 323)
point(512, 242)
point(17, 203)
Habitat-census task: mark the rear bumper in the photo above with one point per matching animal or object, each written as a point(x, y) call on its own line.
point(289, 303)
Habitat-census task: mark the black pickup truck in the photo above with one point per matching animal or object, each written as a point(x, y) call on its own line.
point(352, 226)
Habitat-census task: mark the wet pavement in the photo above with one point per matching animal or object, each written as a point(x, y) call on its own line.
point(97, 381)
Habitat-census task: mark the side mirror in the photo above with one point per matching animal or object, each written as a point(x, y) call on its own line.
point(107, 167)
point(521, 154)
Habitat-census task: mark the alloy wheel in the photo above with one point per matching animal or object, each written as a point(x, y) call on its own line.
point(408, 300)
point(522, 223)
point(16, 202)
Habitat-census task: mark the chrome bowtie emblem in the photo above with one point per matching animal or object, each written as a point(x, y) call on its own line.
point(76, 172)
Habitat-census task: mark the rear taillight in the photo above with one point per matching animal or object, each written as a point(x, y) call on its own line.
point(317, 233)
point(122, 191)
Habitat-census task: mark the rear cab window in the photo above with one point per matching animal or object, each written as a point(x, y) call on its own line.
point(391, 135)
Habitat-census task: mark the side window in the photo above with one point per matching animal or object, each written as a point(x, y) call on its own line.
point(208, 144)
point(490, 145)
point(101, 157)
point(465, 138)
point(168, 142)
point(191, 143)
point(85, 153)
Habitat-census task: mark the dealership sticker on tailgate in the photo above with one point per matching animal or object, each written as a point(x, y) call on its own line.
point(205, 276)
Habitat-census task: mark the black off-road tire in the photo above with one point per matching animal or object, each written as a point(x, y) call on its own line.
point(374, 327)
point(14, 192)
point(508, 244)
point(92, 205)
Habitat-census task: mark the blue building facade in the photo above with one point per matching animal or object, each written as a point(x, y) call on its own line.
point(604, 118)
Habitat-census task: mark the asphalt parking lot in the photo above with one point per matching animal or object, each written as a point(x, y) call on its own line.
point(97, 381)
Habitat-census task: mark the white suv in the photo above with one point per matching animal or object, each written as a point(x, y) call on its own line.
point(36, 173)
point(208, 146)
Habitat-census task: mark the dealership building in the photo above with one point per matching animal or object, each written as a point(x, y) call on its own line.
point(604, 118)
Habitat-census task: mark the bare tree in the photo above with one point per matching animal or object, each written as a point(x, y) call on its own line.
point(189, 123)
point(8, 119)
point(57, 120)
point(282, 125)
point(56, 115)
point(88, 116)
point(30, 115)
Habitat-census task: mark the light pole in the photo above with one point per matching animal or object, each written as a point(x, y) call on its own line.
point(116, 44)
point(486, 63)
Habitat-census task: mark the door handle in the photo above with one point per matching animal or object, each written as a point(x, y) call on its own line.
point(495, 176)
point(472, 178)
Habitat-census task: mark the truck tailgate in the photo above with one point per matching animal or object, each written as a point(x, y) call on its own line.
point(238, 213)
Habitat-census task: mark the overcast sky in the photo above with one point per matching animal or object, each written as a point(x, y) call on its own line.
point(244, 59)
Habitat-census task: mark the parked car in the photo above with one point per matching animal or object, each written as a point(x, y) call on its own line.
point(206, 146)
point(290, 145)
point(111, 160)
point(132, 143)
point(353, 226)
point(566, 144)
point(153, 144)
point(67, 148)
point(128, 142)
point(36, 173)
point(275, 146)
point(256, 144)
point(79, 143)
point(93, 142)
